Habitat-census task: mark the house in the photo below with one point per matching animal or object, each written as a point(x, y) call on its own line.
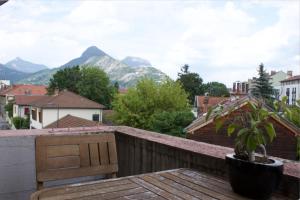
point(4, 84)
point(203, 103)
point(21, 107)
point(8, 94)
point(72, 121)
point(284, 145)
point(290, 87)
point(275, 80)
point(49, 109)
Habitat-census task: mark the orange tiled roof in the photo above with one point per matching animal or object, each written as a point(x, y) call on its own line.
point(25, 90)
point(66, 99)
point(70, 121)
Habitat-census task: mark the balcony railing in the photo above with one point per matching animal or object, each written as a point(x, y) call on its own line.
point(139, 152)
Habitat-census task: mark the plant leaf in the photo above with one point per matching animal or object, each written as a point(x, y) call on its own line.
point(231, 128)
point(270, 130)
point(219, 123)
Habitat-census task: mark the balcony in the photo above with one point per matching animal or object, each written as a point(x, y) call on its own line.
point(139, 152)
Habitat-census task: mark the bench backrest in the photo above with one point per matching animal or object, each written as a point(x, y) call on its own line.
point(71, 156)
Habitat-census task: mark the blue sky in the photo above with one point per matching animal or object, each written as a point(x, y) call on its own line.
point(223, 41)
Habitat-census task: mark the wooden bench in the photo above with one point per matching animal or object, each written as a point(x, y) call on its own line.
point(72, 156)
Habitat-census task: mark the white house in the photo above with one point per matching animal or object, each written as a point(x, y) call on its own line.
point(50, 109)
point(291, 88)
point(21, 106)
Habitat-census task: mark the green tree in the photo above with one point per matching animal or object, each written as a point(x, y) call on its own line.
point(262, 86)
point(66, 78)
point(191, 82)
point(216, 89)
point(9, 108)
point(95, 85)
point(141, 105)
point(172, 123)
point(21, 123)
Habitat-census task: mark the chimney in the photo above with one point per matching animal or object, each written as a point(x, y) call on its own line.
point(273, 73)
point(238, 87)
point(289, 74)
point(234, 87)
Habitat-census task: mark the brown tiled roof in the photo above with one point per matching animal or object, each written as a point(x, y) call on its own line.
point(25, 90)
point(26, 99)
point(212, 101)
point(234, 105)
point(66, 99)
point(291, 78)
point(70, 121)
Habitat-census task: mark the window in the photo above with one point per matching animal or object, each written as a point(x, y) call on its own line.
point(33, 113)
point(288, 95)
point(41, 116)
point(293, 96)
point(26, 111)
point(96, 117)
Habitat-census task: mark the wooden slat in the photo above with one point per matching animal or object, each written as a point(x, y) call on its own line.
point(167, 188)
point(63, 162)
point(112, 153)
point(83, 187)
point(155, 189)
point(79, 172)
point(87, 193)
point(104, 155)
point(84, 155)
point(41, 158)
point(94, 154)
point(62, 150)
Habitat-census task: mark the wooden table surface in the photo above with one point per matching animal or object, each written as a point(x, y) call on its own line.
point(171, 184)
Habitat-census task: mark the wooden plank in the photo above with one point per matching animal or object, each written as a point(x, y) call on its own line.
point(209, 187)
point(115, 194)
point(87, 193)
point(62, 150)
point(104, 155)
point(83, 187)
point(84, 155)
point(113, 159)
point(79, 172)
point(167, 188)
point(193, 189)
point(94, 154)
point(63, 162)
point(144, 195)
point(153, 188)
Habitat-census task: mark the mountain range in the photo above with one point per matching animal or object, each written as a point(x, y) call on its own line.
point(126, 72)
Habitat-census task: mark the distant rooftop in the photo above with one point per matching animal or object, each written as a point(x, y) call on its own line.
point(24, 90)
point(293, 78)
point(66, 99)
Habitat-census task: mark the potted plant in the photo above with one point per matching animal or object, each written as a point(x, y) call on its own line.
point(250, 175)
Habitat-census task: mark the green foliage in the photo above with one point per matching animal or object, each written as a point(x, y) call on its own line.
point(298, 147)
point(66, 78)
point(21, 123)
point(252, 129)
point(143, 104)
point(262, 86)
point(90, 82)
point(216, 89)
point(291, 113)
point(9, 108)
point(191, 83)
point(94, 84)
point(172, 123)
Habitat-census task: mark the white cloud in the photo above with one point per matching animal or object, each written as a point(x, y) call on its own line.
point(214, 37)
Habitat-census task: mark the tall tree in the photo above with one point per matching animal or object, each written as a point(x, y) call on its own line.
point(149, 102)
point(262, 86)
point(94, 84)
point(65, 79)
point(216, 89)
point(191, 82)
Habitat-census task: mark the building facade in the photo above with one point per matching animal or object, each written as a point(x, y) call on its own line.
point(291, 89)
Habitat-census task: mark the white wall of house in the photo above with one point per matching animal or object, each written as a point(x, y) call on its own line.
point(290, 85)
point(19, 110)
point(51, 115)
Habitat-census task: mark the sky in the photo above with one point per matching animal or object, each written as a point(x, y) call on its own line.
point(222, 41)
